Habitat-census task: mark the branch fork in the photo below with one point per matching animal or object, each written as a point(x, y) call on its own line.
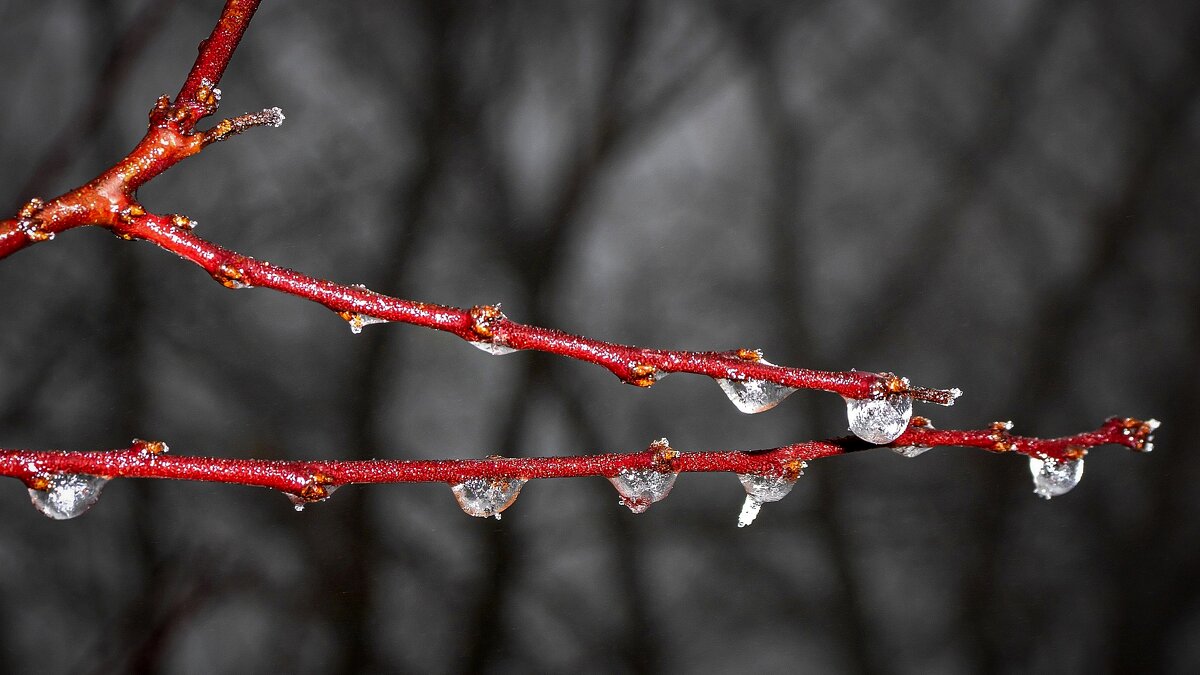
point(64, 484)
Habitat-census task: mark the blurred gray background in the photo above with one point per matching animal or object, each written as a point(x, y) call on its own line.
point(999, 196)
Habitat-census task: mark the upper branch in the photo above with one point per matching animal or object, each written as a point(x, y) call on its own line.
point(199, 96)
point(488, 327)
point(110, 201)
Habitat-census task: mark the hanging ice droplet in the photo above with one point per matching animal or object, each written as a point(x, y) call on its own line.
point(299, 502)
point(230, 276)
point(911, 451)
point(639, 488)
point(318, 488)
point(487, 318)
point(754, 396)
point(1054, 477)
point(357, 321)
point(494, 347)
point(879, 420)
point(763, 488)
point(66, 495)
point(487, 497)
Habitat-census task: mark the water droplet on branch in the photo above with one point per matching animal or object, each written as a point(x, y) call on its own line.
point(66, 495)
point(645, 375)
point(486, 319)
point(494, 347)
point(487, 497)
point(356, 321)
point(299, 502)
point(639, 488)
point(911, 451)
point(763, 488)
point(754, 396)
point(230, 276)
point(319, 488)
point(1054, 477)
point(879, 420)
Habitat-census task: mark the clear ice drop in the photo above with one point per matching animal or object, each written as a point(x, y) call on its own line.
point(487, 497)
point(357, 321)
point(911, 451)
point(755, 396)
point(1054, 477)
point(299, 501)
point(763, 488)
point(879, 420)
point(67, 495)
point(494, 348)
point(639, 488)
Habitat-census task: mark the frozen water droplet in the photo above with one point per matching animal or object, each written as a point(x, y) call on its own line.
point(494, 347)
point(230, 276)
point(879, 420)
point(645, 375)
point(755, 396)
point(357, 321)
point(315, 492)
point(487, 497)
point(750, 509)
point(763, 488)
point(911, 451)
point(488, 318)
point(67, 495)
point(1054, 477)
point(639, 488)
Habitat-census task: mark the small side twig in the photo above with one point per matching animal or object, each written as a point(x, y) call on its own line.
point(879, 404)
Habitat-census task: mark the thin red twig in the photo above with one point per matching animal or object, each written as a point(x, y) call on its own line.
point(197, 97)
point(313, 480)
point(110, 201)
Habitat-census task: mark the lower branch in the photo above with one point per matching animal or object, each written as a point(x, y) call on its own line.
point(65, 484)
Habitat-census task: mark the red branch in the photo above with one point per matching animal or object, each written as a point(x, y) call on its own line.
point(110, 201)
point(312, 481)
point(214, 57)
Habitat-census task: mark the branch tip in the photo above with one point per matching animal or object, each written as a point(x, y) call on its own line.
point(267, 117)
point(1136, 434)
